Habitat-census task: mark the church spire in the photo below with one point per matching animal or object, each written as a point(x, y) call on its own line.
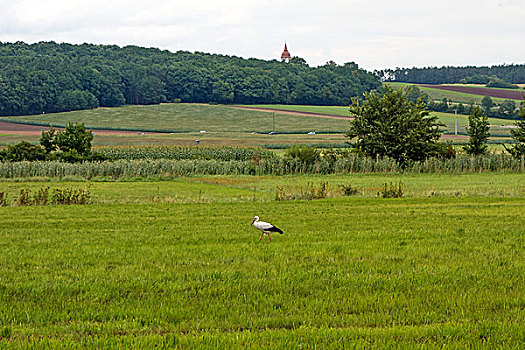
point(285, 56)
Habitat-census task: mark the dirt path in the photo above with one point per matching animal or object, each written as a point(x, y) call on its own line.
point(284, 111)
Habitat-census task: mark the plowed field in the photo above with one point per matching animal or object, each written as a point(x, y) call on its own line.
point(507, 94)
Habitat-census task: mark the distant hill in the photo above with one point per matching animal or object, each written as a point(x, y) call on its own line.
point(49, 77)
point(513, 73)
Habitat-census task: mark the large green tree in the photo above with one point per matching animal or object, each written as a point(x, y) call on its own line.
point(393, 126)
point(479, 132)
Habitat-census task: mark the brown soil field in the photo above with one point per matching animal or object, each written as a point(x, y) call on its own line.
point(507, 94)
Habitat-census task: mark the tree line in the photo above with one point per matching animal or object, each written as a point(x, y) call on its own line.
point(513, 73)
point(49, 77)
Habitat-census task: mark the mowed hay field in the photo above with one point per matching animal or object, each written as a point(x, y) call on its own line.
point(187, 118)
point(442, 267)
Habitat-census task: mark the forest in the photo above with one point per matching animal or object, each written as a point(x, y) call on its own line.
point(49, 77)
point(513, 73)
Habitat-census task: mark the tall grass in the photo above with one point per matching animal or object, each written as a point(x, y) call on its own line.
point(170, 168)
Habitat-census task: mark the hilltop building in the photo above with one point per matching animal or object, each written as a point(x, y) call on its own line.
point(285, 56)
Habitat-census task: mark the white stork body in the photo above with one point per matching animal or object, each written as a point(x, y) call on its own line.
point(265, 227)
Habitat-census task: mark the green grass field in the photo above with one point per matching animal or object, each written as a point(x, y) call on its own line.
point(218, 189)
point(329, 110)
point(149, 264)
point(188, 117)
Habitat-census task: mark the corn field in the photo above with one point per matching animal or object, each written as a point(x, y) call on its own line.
point(171, 168)
point(180, 153)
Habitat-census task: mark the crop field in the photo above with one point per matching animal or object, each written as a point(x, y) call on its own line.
point(464, 94)
point(499, 93)
point(176, 264)
point(223, 125)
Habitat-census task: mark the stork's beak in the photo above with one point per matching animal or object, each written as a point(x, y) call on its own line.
point(252, 222)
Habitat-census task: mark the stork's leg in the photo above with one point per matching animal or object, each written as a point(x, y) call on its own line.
point(262, 234)
point(269, 237)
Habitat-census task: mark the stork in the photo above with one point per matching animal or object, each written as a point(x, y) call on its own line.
point(265, 228)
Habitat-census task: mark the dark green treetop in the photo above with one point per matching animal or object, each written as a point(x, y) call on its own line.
point(393, 126)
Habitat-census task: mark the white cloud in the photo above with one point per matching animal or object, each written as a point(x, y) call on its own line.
point(376, 34)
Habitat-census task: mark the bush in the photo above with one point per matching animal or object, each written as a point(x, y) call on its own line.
point(445, 151)
point(24, 198)
point(310, 193)
point(304, 154)
point(500, 83)
point(70, 196)
point(42, 197)
point(476, 79)
point(349, 190)
point(23, 151)
point(392, 191)
point(3, 199)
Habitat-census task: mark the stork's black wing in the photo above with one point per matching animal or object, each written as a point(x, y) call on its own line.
point(274, 229)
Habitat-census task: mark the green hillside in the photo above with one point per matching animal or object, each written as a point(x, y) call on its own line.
point(187, 117)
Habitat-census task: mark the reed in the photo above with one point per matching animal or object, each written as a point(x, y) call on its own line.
point(173, 168)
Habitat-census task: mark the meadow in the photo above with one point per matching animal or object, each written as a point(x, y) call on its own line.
point(163, 255)
point(175, 264)
point(181, 117)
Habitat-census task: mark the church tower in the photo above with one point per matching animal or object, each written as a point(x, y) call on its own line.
point(285, 56)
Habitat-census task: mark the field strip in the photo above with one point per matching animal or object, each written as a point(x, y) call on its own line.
point(284, 111)
point(513, 95)
point(29, 129)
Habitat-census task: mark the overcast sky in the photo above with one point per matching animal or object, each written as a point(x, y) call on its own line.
point(376, 34)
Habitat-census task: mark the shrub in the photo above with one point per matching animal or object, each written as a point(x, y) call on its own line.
point(349, 190)
point(3, 199)
point(23, 151)
point(42, 197)
point(310, 193)
point(496, 82)
point(392, 190)
point(24, 198)
point(70, 196)
point(304, 154)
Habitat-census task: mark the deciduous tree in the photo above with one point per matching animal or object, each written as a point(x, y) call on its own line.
point(479, 132)
point(518, 135)
point(391, 125)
